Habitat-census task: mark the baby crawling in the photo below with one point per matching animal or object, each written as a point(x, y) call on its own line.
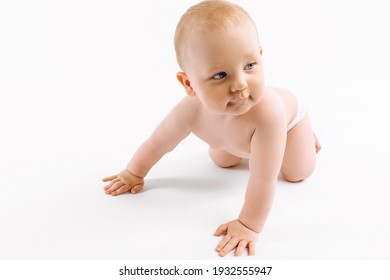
point(229, 107)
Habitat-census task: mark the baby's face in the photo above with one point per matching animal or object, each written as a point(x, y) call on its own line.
point(225, 68)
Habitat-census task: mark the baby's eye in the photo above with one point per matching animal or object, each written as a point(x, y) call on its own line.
point(220, 75)
point(249, 66)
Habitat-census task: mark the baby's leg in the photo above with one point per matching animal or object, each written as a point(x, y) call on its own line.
point(300, 155)
point(223, 159)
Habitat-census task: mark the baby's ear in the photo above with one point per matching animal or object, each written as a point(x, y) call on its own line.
point(183, 79)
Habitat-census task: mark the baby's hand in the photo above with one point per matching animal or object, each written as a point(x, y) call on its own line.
point(236, 236)
point(123, 182)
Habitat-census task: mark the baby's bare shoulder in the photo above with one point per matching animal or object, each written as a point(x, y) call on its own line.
point(288, 101)
point(186, 109)
point(271, 103)
point(270, 109)
point(188, 106)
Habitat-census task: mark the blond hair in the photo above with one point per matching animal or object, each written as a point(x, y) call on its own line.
point(207, 15)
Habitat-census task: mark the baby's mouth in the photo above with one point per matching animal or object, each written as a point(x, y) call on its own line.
point(238, 102)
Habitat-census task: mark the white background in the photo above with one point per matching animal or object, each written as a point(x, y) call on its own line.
point(83, 83)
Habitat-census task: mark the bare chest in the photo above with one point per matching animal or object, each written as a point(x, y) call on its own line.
point(233, 136)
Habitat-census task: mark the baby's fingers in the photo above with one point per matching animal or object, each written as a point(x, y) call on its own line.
point(222, 229)
point(251, 248)
point(136, 189)
point(241, 247)
point(223, 243)
point(109, 178)
point(107, 188)
point(230, 245)
point(122, 189)
point(115, 185)
point(126, 188)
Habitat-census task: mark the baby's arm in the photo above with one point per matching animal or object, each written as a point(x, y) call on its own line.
point(267, 149)
point(265, 162)
point(173, 129)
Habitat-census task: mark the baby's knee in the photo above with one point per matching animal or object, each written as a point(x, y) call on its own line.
point(296, 177)
point(225, 164)
point(292, 179)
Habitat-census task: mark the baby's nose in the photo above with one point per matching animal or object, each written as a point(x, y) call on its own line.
point(239, 84)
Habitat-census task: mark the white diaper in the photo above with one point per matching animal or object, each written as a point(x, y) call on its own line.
point(301, 112)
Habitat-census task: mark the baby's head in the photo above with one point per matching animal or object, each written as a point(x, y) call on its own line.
point(206, 16)
point(217, 48)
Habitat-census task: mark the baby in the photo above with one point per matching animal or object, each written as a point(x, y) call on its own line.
point(229, 106)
